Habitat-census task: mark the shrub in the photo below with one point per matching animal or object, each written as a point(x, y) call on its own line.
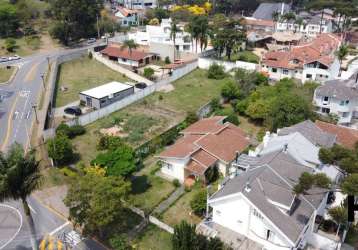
point(90, 55)
point(326, 156)
point(176, 183)
point(60, 149)
point(10, 44)
point(63, 128)
point(191, 117)
point(70, 132)
point(167, 60)
point(216, 71)
point(230, 90)
point(119, 242)
point(198, 203)
point(160, 97)
point(109, 142)
point(68, 172)
point(148, 72)
point(215, 104)
point(212, 174)
point(233, 118)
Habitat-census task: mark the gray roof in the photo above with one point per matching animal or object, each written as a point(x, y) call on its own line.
point(272, 178)
point(312, 132)
point(340, 89)
point(265, 10)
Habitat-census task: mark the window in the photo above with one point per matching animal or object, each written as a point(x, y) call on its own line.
point(308, 76)
point(347, 102)
point(325, 110)
point(345, 114)
point(341, 103)
point(257, 214)
point(274, 70)
point(325, 99)
point(285, 71)
point(269, 235)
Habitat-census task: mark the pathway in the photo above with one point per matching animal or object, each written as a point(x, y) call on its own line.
point(171, 199)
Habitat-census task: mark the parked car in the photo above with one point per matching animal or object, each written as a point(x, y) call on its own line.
point(91, 40)
point(141, 85)
point(14, 57)
point(74, 110)
point(4, 59)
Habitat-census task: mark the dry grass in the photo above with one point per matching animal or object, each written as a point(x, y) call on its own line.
point(6, 73)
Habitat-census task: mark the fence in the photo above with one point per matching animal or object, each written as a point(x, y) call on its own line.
point(160, 224)
point(204, 110)
point(100, 113)
point(205, 63)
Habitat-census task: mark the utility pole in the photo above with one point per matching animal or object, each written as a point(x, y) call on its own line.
point(48, 62)
point(34, 106)
point(43, 81)
point(98, 35)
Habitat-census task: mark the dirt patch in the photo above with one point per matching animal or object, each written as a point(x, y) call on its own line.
point(167, 88)
point(113, 131)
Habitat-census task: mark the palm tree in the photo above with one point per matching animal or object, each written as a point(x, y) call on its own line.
point(289, 16)
point(19, 177)
point(298, 23)
point(275, 18)
point(130, 45)
point(341, 54)
point(339, 215)
point(174, 29)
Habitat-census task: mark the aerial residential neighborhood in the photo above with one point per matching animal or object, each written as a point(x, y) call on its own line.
point(178, 125)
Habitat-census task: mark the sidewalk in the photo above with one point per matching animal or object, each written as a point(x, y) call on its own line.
point(164, 205)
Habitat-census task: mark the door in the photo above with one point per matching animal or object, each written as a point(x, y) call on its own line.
point(89, 101)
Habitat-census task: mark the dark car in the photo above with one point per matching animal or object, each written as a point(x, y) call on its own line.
point(141, 85)
point(73, 111)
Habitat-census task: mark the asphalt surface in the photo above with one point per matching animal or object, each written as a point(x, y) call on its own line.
point(17, 116)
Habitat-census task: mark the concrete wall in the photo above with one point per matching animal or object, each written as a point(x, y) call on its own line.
point(161, 225)
point(322, 242)
point(205, 63)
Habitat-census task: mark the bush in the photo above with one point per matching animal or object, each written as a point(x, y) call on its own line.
point(326, 156)
point(176, 183)
point(212, 174)
point(215, 104)
point(198, 203)
point(90, 55)
point(230, 90)
point(10, 44)
point(148, 72)
point(68, 172)
point(60, 149)
point(109, 142)
point(233, 118)
point(216, 71)
point(119, 242)
point(167, 60)
point(70, 132)
point(191, 117)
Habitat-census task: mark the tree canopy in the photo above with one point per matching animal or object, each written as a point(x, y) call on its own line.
point(96, 201)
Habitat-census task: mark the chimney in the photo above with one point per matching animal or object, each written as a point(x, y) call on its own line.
point(248, 187)
point(285, 147)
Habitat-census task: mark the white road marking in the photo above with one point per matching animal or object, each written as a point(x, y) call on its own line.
point(18, 230)
point(32, 209)
point(59, 228)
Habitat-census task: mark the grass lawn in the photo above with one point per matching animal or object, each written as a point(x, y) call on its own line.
point(148, 190)
point(191, 92)
point(181, 210)
point(153, 238)
point(6, 73)
point(246, 56)
point(53, 177)
point(82, 74)
point(24, 46)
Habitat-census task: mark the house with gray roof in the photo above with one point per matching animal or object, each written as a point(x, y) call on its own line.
point(265, 11)
point(312, 132)
point(339, 98)
point(260, 205)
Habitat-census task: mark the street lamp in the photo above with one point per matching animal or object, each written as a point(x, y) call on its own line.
point(34, 106)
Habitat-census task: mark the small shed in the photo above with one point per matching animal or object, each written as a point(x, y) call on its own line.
point(106, 94)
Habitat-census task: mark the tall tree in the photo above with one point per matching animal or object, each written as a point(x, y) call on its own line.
point(96, 201)
point(19, 177)
point(339, 215)
point(9, 21)
point(130, 45)
point(341, 54)
point(174, 29)
point(75, 19)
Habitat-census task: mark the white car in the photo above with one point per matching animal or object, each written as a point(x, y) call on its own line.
point(91, 40)
point(14, 57)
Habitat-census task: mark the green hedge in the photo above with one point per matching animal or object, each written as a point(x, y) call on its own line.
point(166, 138)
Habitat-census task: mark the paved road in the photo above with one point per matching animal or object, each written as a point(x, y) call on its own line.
point(16, 119)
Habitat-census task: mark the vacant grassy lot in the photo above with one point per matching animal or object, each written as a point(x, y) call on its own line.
point(82, 74)
point(153, 238)
point(148, 190)
point(181, 210)
point(191, 92)
point(6, 73)
point(246, 56)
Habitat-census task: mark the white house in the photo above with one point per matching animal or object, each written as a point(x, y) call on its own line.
point(127, 17)
point(159, 35)
point(138, 4)
point(260, 205)
point(338, 97)
point(208, 143)
point(313, 61)
point(311, 26)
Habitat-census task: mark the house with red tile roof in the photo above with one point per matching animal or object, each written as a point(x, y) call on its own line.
point(346, 137)
point(134, 58)
point(313, 61)
point(127, 17)
point(208, 143)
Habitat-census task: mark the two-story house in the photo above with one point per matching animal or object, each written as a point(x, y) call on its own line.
point(338, 97)
point(313, 61)
point(208, 143)
point(312, 24)
point(260, 205)
point(127, 17)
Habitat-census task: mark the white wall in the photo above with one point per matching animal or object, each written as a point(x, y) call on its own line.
point(225, 213)
point(174, 168)
point(205, 63)
point(321, 242)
